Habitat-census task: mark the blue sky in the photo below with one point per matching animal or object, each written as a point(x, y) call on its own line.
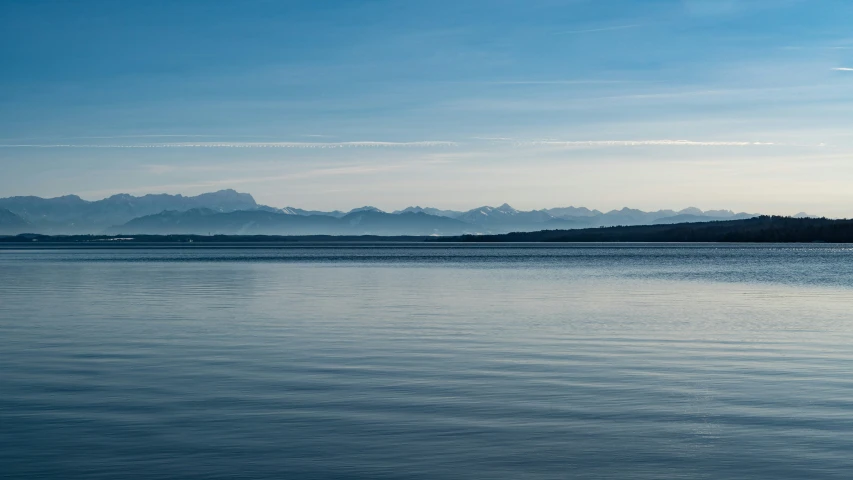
point(652, 104)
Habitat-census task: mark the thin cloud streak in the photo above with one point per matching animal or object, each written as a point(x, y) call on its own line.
point(641, 143)
point(150, 135)
point(422, 144)
point(602, 29)
point(117, 137)
point(843, 69)
point(316, 173)
point(272, 177)
point(557, 82)
point(364, 144)
point(508, 104)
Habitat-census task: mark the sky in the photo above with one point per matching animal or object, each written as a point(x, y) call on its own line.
point(737, 104)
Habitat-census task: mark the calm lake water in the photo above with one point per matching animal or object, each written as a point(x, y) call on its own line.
point(427, 361)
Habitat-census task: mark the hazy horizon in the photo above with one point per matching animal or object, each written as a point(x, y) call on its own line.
point(391, 209)
point(651, 105)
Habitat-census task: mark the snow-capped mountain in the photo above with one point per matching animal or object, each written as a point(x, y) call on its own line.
point(226, 209)
point(431, 211)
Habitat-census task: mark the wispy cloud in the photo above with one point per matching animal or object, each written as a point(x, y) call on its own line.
point(148, 135)
point(232, 182)
point(557, 82)
point(581, 100)
point(717, 8)
point(600, 29)
point(361, 144)
point(117, 137)
point(161, 169)
point(843, 69)
point(641, 143)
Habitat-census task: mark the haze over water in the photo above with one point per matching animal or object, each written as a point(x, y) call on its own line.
point(438, 361)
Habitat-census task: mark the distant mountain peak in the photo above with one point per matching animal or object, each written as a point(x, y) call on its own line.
point(430, 211)
point(719, 213)
point(571, 211)
point(628, 210)
point(416, 208)
point(227, 194)
point(366, 208)
point(691, 211)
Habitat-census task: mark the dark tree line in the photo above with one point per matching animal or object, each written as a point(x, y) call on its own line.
point(764, 229)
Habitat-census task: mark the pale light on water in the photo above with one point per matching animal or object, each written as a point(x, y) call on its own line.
point(602, 361)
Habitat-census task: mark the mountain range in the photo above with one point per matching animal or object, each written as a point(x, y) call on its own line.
point(231, 212)
point(202, 221)
point(72, 214)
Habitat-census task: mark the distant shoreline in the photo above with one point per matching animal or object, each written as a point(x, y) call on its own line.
point(36, 240)
point(763, 229)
